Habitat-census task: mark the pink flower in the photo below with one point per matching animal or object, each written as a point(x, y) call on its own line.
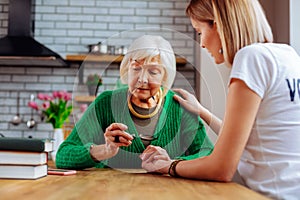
point(61, 94)
point(67, 96)
point(55, 108)
point(46, 105)
point(33, 105)
point(55, 94)
point(44, 97)
point(41, 96)
point(48, 98)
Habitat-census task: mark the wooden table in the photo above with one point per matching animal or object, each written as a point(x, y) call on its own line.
point(109, 184)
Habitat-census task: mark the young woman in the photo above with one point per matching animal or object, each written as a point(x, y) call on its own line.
point(260, 132)
point(119, 125)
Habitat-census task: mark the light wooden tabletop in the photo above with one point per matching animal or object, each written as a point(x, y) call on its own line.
point(112, 184)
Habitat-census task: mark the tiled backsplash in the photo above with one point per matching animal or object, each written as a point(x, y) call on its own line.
point(67, 27)
point(27, 81)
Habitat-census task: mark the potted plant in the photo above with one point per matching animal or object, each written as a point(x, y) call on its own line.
point(55, 109)
point(93, 82)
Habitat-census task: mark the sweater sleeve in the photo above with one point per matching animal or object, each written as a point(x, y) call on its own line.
point(74, 152)
point(194, 139)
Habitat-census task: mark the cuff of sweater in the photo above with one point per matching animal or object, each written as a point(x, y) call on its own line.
point(88, 148)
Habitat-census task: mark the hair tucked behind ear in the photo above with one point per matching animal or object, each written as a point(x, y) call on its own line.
point(240, 23)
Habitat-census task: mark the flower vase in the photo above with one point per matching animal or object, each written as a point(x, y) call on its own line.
point(58, 138)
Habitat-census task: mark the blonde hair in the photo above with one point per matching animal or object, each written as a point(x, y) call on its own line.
point(239, 22)
point(149, 48)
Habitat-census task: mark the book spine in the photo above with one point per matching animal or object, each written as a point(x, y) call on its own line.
point(20, 145)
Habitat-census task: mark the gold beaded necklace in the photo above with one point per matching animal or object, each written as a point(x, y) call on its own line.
point(148, 115)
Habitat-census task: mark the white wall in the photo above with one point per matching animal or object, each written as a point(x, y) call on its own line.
point(295, 24)
point(213, 86)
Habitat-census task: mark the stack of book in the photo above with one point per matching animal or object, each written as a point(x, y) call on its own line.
point(24, 158)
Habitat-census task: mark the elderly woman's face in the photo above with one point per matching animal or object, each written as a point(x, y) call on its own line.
point(145, 79)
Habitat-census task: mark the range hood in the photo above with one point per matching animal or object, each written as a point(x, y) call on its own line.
point(18, 47)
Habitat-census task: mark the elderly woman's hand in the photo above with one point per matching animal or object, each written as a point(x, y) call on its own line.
point(189, 101)
point(115, 137)
point(155, 159)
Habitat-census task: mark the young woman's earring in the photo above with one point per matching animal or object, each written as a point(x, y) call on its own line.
point(221, 51)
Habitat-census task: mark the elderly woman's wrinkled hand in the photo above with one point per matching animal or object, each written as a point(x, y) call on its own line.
point(155, 159)
point(115, 137)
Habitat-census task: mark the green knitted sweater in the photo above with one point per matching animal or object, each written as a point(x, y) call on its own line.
point(178, 131)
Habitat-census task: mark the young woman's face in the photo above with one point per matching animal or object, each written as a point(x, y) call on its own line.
point(144, 80)
point(209, 39)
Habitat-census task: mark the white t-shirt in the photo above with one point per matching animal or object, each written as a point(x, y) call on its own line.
point(270, 163)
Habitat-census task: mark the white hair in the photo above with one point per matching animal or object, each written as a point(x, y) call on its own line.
point(146, 47)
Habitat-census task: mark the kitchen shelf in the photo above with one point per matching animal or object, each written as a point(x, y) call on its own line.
point(84, 99)
point(95, 58)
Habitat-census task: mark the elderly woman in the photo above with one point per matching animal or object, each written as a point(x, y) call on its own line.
point(119, 125)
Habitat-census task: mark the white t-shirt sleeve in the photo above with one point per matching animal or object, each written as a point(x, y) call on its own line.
point(253, 65)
